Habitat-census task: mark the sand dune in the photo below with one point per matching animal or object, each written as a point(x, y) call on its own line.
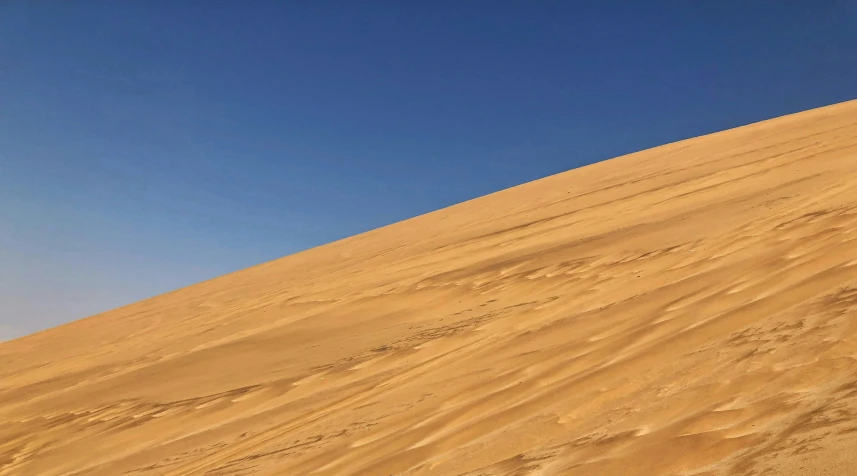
point(689, 309)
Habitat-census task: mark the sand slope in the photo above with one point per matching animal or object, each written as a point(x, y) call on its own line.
point(690, 309)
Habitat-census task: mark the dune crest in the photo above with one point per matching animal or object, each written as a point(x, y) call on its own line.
point(690, 309)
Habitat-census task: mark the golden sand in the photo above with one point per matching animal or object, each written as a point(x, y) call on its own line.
point(689, 309)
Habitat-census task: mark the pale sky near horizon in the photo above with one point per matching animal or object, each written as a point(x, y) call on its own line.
point(146, 146)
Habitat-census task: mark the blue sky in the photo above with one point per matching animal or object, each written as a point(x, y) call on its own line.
point(146, 146)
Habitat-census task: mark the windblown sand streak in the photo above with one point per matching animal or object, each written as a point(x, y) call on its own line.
point(689, 309)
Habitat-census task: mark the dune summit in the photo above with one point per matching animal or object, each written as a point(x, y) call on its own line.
point(689, 309)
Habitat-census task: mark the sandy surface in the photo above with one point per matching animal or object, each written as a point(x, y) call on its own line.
point(690, 309)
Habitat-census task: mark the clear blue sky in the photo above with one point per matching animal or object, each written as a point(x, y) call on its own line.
point(146, 146)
